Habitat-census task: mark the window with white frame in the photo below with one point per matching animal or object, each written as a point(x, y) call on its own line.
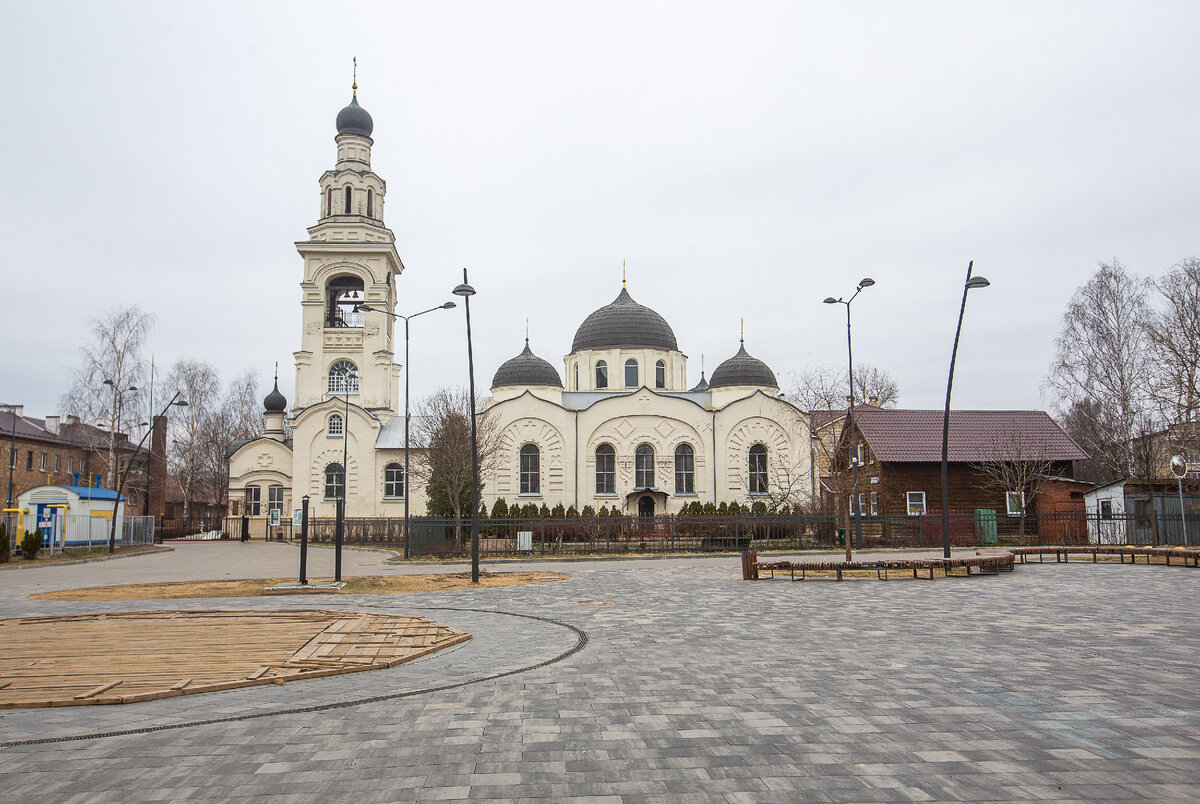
point(1106, 511)
point(660, 374)
point(336, 426)
point(335, 481)
point(874, 503)
point(275, 498)
point(42, 463)
point(56, 459)
point(643, 467)
point(685, 469)
point(916, 503)
point(606, 469)
point(758, 469)
point(601, 374)
point(393, 480)
point(253, 500)
point(1015, 501)
point(343, 378)
point(531, 471)
point(631, 373)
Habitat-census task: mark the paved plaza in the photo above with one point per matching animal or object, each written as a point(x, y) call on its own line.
point(1073, 682)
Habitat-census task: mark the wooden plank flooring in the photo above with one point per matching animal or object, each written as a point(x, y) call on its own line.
point(81, 659)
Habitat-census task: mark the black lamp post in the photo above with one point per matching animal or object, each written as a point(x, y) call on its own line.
point(858, 542)
point(972, 282)
point(466, 291)
point(405, 318)
point(114, 452)
point(112, 534)
point(339, 527)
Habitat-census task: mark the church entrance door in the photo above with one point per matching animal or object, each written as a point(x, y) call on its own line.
point(646, 506)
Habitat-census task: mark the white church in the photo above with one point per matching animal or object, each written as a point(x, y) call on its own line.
point(624, 432)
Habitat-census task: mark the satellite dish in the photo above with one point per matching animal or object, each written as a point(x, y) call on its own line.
point(1179, 466)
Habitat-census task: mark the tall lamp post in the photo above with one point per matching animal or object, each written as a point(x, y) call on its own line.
point(1179, 468)
point(865, 283)
point(112, 534)
point(971, 283)
point(407, 475)
point(339, 525)
point(114, 453)
point(466, 291)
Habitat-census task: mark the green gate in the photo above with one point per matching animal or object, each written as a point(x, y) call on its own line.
point(985, 525)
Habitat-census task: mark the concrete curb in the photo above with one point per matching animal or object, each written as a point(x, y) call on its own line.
point(23, 566)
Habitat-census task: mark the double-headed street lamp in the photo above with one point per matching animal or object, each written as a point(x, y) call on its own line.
point(113, 452)
point(112, 534)
point(407, 475)
point(865, 283)
point(971, 283)
point(466, 291)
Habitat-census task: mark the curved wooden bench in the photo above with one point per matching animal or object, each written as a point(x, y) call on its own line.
point(1189, 556)
point(983, 563)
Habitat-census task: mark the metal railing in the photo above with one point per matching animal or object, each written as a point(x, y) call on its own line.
point(691, 533)
point(79, 531)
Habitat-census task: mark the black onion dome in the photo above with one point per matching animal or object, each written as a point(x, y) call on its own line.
point(624, 323)
point(742, 369)
point(526, 369)
point(700, 386)
point(275, 401)
point(354, 119)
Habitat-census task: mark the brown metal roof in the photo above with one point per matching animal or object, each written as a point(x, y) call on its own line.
point(975, 436)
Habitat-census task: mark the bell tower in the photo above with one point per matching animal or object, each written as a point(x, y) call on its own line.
point(350, 258)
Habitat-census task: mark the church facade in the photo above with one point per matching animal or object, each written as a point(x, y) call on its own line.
point(625, 431)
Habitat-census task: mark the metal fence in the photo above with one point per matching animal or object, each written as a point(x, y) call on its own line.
point(79, 531)
point(683, 533)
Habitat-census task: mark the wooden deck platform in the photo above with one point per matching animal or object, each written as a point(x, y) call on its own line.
point(121, 657)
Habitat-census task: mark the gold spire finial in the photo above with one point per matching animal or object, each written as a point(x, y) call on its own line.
point(622, 274)
point(354, 86)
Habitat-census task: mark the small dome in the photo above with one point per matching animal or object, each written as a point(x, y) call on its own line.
point(624, 323)
point(700, 386)
point(354, 119)
point(526, 369)
point(742, 369)
point(275, 401)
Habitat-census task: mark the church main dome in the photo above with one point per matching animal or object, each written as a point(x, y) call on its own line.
point(526, 369)
point(624, 324)
point(742, 369)
point(354, 119)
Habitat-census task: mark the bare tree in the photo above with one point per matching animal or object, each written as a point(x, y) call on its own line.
point(1018, 467)
point(789, 487)
point(1173, 330)
point(824, 387)
point(112, 364)
point(442, 425)
point(1102, 364)
point(238, 416)
point(197, 382)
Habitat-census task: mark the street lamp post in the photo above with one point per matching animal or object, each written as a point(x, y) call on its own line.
point(1179, 468)
point(466, 291)
point(113, 452)
point(407, 476)
point(971, 283)
point(112, 534)
point(339, 526)
point(858, 542)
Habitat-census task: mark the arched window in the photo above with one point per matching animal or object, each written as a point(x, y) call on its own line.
point(531, 472)
point(336, 426)
point(576, 377)
point(329, 202)
point(606, 469)
point(349, 195)
point(393, 480)
point(631, 374)
point(685, 470)
point(335, 481)
point(601, 374)
point(643, 467)
point(660, 374)
point(758, 469)
point(343, 293)
point(343, 378)
point(370, 203)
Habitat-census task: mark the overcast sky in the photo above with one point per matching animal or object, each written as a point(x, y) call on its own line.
point(745, 159)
